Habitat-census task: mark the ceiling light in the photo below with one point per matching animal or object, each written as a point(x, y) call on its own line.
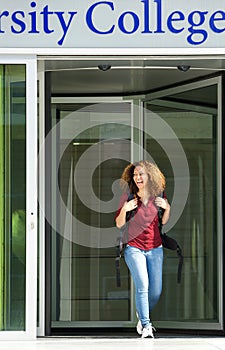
point(104, 67)
point(183, 67)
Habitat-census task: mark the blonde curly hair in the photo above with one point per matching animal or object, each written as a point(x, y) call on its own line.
point(157, 181)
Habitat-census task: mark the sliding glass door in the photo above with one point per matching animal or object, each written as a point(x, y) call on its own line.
point(183, 135)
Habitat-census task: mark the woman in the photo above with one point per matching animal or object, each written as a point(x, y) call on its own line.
point(144, 253)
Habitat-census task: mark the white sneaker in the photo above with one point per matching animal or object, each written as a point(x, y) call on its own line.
point(147, 332)
point(139, 327)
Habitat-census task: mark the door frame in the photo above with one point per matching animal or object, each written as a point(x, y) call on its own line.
point(136, 121)
point(31, 198)
point(44, 327)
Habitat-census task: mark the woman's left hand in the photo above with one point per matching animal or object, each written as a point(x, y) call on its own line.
point(161, 202)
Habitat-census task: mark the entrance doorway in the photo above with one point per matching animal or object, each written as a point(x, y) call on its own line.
point(88, 142)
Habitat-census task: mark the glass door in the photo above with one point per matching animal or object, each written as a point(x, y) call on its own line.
point(90, 145)
point(183, 135)
point(18, 199)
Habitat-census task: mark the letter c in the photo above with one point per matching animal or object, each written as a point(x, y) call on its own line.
point(89, 17)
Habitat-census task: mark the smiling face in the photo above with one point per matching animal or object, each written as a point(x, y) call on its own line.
point(140, 177)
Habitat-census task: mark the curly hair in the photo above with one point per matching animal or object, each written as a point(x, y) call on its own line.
point(157, 182)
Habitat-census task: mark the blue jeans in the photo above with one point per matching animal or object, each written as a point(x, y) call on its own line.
point(146, 270)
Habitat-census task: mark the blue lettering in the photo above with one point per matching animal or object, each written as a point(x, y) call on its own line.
point(89, 17)
point(121, 22)
point(175, 17)
point(45, 14)
point(199, 22)
point(214, 18)
point(146, 17)
point(101, 19)
point(159, 17)
point(64, 26)
point(6, 14)
point(19, 22)
point(33, 19)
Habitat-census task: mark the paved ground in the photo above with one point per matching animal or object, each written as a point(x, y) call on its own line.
point(97, 343)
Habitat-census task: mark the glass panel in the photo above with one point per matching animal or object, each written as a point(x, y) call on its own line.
point(192, 115)
point(83, 270)
point(13, 196)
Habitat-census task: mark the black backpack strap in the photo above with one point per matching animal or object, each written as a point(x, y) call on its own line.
point(170, 243)
point(121, 242)
point(181, 260)
point(119, 249)
point(117, 264)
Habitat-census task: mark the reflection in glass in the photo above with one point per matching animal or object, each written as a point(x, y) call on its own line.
point(83, 278)
point(13, 196)
point(193, 117)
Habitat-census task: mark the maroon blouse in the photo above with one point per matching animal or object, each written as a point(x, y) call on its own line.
point(143, 230)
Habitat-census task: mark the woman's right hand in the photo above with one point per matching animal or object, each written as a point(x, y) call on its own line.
point(130, 205)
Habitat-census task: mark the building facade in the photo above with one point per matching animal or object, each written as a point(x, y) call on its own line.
point(85, 88)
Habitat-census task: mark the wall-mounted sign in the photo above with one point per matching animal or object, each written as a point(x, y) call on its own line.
point(112, 24)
